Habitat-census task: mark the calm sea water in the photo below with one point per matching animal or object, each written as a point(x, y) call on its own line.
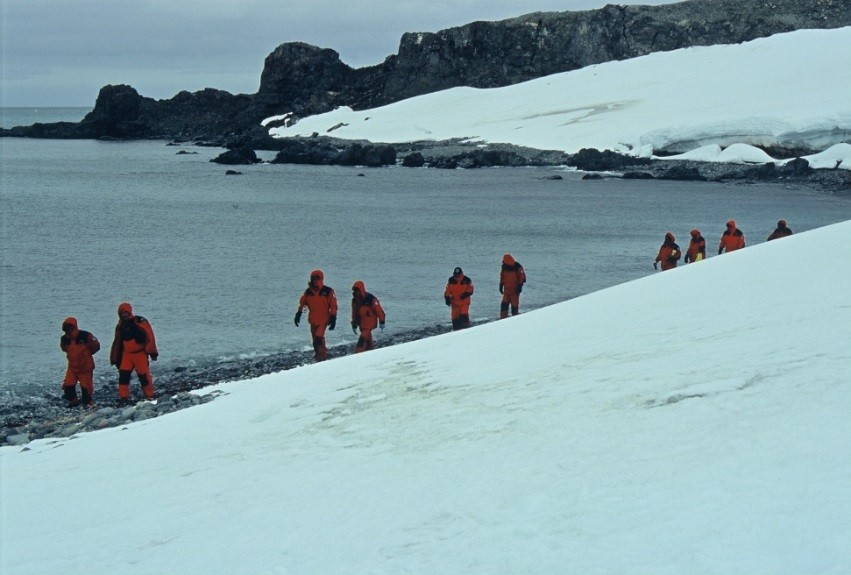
point(217, 262)
point(11, 117)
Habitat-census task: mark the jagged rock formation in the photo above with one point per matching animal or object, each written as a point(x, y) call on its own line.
point(304, 79)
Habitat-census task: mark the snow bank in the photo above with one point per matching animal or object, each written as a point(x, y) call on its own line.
point(788, 90)
point(694, 421)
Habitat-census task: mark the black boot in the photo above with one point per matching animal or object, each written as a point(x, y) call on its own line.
point(71, 396)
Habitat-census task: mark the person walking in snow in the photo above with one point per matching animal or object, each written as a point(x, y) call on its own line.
point(459, 290)
point(367, 313)
point(732, 239)
point(668, 254)
point(780, 232)
point(512, 276)
point(321, 303)
point(79, 347)
point(133, 344)
point(696, 247)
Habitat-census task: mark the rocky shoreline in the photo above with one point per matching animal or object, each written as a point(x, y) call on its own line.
point(457, 154)
point(48, 418)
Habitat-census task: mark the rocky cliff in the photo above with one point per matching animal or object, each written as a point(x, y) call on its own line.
point(305, 79)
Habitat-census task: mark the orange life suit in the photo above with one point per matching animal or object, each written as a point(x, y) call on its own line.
point(669, 253)
point(321, 303)
point(512, 276)
point(732, 239)
point(459, 290)
point(133, 344)
point(367, 314)
point(79, 347)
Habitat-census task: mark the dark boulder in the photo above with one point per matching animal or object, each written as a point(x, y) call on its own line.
point(312, 152)
point(369, 155)
point(236, 157)
point(638, 176)
point(591, 160)
point(414, 160)
point(796, 168)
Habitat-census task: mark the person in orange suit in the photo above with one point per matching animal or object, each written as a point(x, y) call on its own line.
point(321, 303)
point(79, 347)
point(780, 232)
point(367, 313)
point(512, 276)
point(668, 254)
point(696, 248)
point(133, 344)
point(732, 239)
point(459, 290)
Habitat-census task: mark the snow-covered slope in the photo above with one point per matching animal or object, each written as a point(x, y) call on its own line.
point(786, 90)
point(694, 421)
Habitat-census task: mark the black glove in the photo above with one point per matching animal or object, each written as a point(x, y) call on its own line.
point(354, 327)
point(500, 288)
point(154, 356)
point(297, 318)
point(333, 323)
point(655, 265)
point(720, 250)
point(381, 325)
point(447, 300)
point(519, 289)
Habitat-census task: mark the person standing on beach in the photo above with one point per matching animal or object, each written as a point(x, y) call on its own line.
point(459, 290)
point(696, 247)
point(79, 347)
point(367, 313)
point(668, 254)
point(132, 345)
point(780, 232)
point(321, 303)
point(732, 239)
point(512, 276)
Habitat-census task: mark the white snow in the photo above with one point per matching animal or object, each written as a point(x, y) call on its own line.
point(693, 421)
point(786, 90)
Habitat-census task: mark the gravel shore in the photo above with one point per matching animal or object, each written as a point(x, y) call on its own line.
point(47, 416)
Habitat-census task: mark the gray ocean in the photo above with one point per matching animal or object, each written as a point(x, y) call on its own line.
point(217, 263)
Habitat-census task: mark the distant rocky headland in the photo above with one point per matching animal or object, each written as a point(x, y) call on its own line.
point(304, 80)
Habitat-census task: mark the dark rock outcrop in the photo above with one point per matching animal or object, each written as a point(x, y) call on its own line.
point(302, 79)
point(237, 157)
point(326, 152)
point(591, 160)
point(414, 160)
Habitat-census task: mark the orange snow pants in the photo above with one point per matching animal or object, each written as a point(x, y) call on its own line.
point(138, 361)
point(365, 341)
point(320, 351)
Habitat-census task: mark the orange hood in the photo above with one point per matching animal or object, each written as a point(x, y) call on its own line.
point(125, 307)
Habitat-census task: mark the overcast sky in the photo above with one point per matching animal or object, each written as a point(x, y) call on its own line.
point(61, 52)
